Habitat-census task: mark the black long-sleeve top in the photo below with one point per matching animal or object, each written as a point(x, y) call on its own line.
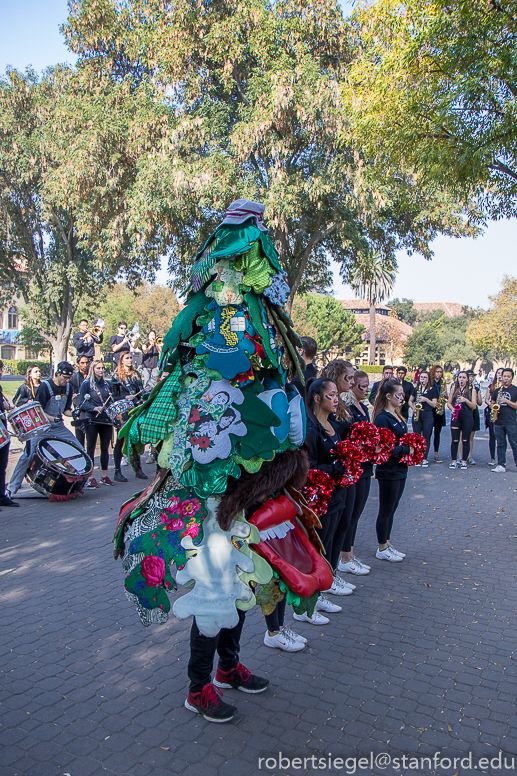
point(129, 387)
point(86, 348)
point(392, 469)
point(320, 445)
point(362, 417)
point(98, 394)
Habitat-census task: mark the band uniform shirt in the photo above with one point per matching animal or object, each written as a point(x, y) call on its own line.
point(86, 348)
point(409, 391)
point(151, 358)
point(48, 390)
point(506, 416)
point(431, 393)
point(116, 340)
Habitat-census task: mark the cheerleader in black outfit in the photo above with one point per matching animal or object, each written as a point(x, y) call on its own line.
point(391, 475)
point(349, 563)
point(323, 434)
point(462, 400)
point(427, 395)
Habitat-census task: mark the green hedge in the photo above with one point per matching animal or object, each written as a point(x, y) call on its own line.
point(20, 367)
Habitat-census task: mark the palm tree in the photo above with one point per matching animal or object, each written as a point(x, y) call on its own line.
point(373, 279)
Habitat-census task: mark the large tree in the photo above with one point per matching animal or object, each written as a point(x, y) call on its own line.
point(495, 331)
point(332, 326)
point(435, 88)
point(65, 172)
point(254, 109)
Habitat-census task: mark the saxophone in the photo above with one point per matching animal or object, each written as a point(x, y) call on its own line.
point(442, 399)
point(457, 407)
point(495, 409)
point(418, 407)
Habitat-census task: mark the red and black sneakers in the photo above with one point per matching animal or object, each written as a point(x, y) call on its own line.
point(240, 679)
point(208, 703)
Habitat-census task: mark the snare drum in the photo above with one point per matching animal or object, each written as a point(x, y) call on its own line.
point(28, 421)
point(59, 468)
point(119, 408)
point(4, 435)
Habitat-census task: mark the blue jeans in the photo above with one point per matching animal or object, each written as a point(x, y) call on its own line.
point(502, 433)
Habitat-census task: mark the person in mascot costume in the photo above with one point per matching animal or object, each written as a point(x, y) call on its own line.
point(225, 508)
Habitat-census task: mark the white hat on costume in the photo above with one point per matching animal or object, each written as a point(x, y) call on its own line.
point(242, 209)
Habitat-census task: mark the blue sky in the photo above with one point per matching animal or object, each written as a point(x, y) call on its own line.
point(465, 271)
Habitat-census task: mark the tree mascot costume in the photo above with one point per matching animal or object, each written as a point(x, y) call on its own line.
point(225, 506)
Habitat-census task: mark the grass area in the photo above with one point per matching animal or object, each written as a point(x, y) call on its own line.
point(9, 387)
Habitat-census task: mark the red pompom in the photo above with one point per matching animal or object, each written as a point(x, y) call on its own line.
point(351, 457)
point(366, 437)
point(387, 441)
point(416, 441)
point(318, 490)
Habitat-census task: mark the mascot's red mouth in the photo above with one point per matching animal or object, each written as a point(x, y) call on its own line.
point(287, 548)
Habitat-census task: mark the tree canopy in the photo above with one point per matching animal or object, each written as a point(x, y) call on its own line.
point(438, 339)
point(435, 88)
point(251, 106)
point(495, 331)
point(326, 320)
point(404, 310)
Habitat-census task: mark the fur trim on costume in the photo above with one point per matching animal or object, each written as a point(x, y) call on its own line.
point(286, 470)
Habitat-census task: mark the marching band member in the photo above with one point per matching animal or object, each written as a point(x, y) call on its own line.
point(55, 397)
point(436, 377)
point(308, 353)
point(475, 414)
point(27, 391)
point(126, 384)
point(391, 475)
point(93, 398)
point(462, 400)
point(84, 341)
point(505, 424)
point(489, 424)
point(5, 499)
point(77, 380)
point(349, 563)
point(427, 397)
point(119, 343)
point(409, 392)
point(151, 356)
point(387, 374)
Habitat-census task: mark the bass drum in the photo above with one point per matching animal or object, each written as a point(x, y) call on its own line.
point(59, 469)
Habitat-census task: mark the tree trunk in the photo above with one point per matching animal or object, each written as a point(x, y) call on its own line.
point(373, 341)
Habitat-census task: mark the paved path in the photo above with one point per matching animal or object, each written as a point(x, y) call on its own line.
point(420, 660)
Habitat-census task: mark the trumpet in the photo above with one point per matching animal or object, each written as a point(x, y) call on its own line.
point(99, 327)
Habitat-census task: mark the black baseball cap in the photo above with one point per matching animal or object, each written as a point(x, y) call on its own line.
point(64, 368)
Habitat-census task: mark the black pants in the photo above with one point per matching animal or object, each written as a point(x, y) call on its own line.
point(329, 524)
point(203, 649)
point(362, 491)
point(424, 425)
point(80, 436)
point(463, 425)
point(275, 620)
point(491, 440)
point(390, 493)
point(437, 427)
point(103, 432)
point(4, 457)
point(342, 526)
point(117, 452)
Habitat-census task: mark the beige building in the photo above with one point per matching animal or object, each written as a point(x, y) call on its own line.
point(390, 333)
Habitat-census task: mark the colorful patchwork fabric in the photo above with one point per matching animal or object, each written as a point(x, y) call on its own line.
point(158, 420)
point(258, 272)
point(225, 341)
point(214, 418)
point(278, 291)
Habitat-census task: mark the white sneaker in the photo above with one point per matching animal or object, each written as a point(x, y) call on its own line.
point(453, 465)
point(293, 635)
point(402, 554)
point(353, 566)
point(339, 587)
point(124, 461)
point(499, 469)
point(364, 565)
point(388, 554)
point(424, 464)
point(282, 641)
point(471, 461)
point(324, 605)
point(316, 619)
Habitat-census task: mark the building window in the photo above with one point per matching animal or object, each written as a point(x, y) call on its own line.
point(8, 353)
point(32, 355)
point(12, 318)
